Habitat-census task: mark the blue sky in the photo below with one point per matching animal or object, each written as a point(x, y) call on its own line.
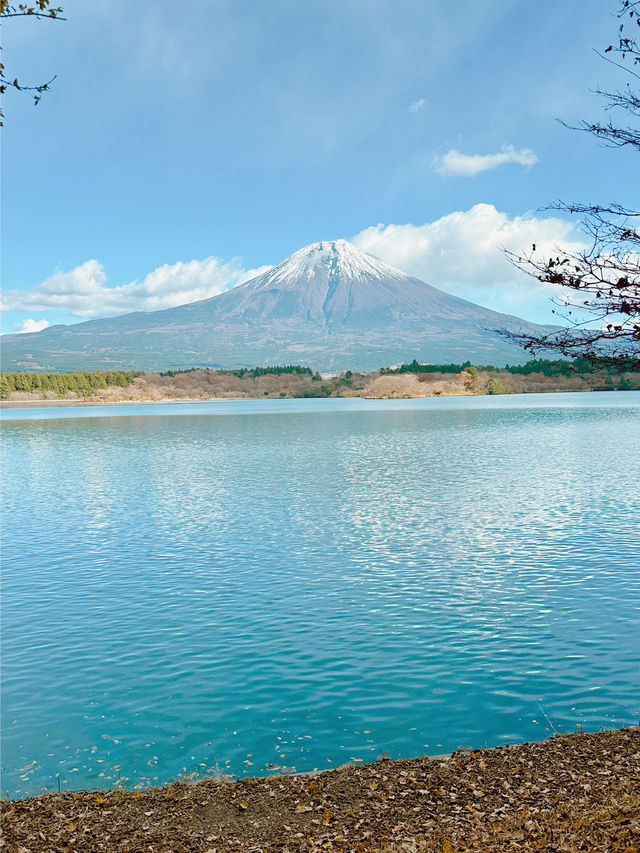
point(184, 147)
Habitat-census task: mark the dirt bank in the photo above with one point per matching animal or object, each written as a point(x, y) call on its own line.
point(578, 792)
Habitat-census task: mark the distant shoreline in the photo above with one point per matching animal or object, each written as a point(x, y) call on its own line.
point(64, 404)
point(290, 382)
point(85, 403)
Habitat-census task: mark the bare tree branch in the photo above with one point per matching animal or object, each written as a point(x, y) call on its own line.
point(598, 288)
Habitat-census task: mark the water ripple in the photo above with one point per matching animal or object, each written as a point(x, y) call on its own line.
point(304, 585)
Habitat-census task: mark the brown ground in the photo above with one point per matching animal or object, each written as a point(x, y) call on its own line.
point(215, 385)
point(578, 792)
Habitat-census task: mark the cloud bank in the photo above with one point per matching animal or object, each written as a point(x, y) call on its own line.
point(84, 291)
point(463, 254)
point(30, 325)
point(456, 164)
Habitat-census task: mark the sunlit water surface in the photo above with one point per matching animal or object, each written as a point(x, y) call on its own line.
point(246, 587)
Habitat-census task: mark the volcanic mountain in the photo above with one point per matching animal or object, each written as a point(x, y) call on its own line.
point(330, 305)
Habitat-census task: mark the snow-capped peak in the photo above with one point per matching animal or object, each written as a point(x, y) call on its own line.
point(332, 258)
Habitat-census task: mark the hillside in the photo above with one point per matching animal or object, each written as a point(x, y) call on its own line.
point(410, 380)
point(329, 304)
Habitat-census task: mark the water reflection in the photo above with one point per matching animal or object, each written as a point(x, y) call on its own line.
point(313, 586)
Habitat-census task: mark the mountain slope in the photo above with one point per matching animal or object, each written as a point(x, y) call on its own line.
point(330, 305)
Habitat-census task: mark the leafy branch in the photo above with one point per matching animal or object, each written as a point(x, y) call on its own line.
point(40, 9)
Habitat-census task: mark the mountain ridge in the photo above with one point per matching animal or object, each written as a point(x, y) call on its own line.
point(329, 303)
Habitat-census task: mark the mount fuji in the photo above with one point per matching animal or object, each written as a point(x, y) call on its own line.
point(329, 305)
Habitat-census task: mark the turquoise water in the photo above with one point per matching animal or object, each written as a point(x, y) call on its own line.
point(247, 586)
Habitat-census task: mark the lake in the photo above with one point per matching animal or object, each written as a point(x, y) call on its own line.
point(243, 587)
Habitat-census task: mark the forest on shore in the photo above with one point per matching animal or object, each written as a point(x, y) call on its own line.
point(289, 381)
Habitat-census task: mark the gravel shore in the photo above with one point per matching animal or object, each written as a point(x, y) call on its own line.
point(578, 792)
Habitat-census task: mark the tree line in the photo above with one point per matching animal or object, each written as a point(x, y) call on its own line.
point(416, 367)
point(82, 384)
point(299, 381)
point(252, 372)
point(547, 367)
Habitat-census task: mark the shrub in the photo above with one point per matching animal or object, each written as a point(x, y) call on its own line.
point(494, 386)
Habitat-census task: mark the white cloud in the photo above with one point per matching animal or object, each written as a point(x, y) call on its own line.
point(31, 325)
point(463, 254)
point(418, 105)
point(84, 291)
point(454, 163)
